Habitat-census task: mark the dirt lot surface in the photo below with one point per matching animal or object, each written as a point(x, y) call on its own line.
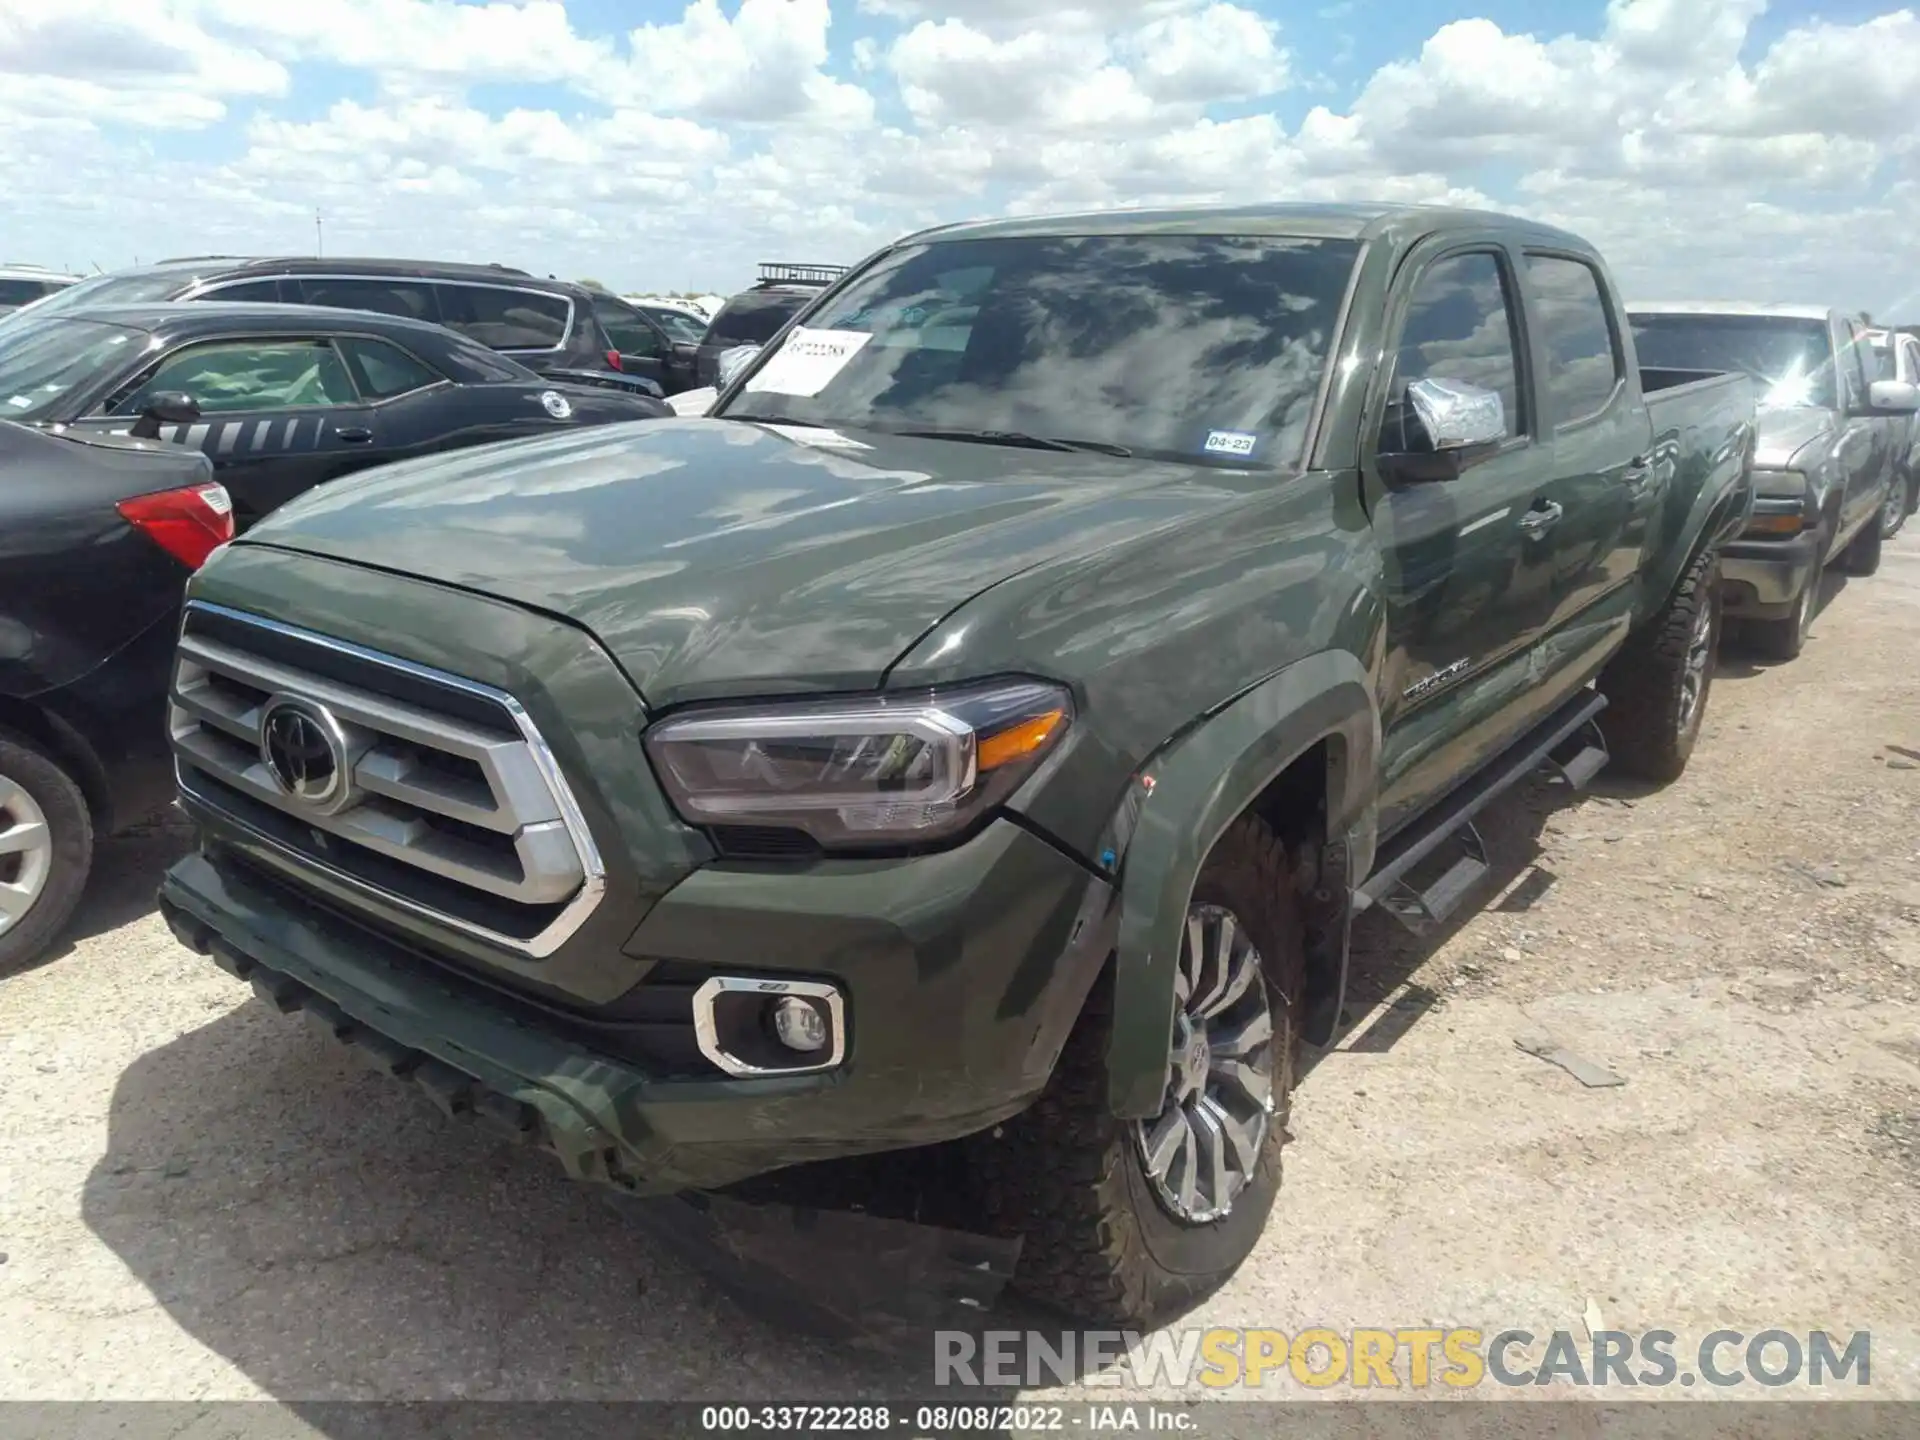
point(203, 1200)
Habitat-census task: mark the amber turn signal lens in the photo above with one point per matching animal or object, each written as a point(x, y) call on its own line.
point(1776, 525)
point(1018, 740)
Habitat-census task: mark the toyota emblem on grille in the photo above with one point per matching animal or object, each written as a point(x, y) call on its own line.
point(303, 750)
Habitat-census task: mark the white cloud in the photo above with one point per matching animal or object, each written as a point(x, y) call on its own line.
point(531, 41)
point(677, 153)
point(764, 64)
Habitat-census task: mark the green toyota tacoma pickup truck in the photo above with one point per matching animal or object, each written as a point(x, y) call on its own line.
point(983, 727)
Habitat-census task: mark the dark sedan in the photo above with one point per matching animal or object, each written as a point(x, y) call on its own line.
point(98, 534)
point(283, 397)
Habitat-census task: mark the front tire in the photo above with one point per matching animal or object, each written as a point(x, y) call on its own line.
point(1893, 517)
point(1862, 555)
point(1656, 687)
point(46, 850)
point(1125, 1223)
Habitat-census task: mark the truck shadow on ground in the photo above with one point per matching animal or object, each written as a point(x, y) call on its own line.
point(334, 1238)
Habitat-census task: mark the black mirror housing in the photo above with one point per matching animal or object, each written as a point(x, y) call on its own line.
point(1425, 467)
point(165, 407)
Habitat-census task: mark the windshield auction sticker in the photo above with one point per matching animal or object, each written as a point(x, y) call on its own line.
point(808, 361)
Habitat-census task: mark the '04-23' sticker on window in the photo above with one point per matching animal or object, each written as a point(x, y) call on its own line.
point(808, 361)
point(1230, 442)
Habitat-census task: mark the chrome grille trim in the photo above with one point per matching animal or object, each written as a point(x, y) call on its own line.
point(507, 785)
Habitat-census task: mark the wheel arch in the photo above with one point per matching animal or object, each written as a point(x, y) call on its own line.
point(1300, 749)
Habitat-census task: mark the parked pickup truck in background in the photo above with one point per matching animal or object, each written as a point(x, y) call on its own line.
point(1831, 441)
point(982, 727)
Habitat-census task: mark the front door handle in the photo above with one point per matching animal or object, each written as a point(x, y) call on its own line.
point(355, 434)
point(1540, 519)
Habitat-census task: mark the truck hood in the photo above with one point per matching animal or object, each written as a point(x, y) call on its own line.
point(719, 557)
point(1785, 432)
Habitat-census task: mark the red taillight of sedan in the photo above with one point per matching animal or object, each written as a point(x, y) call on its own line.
point(189, 523)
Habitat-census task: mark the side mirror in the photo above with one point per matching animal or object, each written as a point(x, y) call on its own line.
point(167, 407)
point(1465, 424)
point(733, 361)
point(1893, 397)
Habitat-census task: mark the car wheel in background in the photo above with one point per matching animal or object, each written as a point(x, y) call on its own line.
point(46, 850)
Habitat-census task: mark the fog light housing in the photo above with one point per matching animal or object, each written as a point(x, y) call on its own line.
point(798, 1025)
point(747, 1025)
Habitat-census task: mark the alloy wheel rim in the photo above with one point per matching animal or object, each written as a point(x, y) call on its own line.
point(1694, 671)
point(1895, 510)
point(26, 853)
point(1201, 1151)
point(1803, 618)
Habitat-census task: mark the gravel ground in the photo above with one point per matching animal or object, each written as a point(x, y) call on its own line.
point(202, 1200)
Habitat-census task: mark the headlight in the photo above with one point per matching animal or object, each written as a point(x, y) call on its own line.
point(876, 771)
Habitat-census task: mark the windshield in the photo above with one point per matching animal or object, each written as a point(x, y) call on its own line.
point(1189, 347)
point(47, 358)
point(1790, 360)
point(110, 289)
point(679, 326)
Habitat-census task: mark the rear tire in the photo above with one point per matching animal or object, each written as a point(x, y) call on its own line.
point(1656, 687)
point(46, 850)
point(1070, 1177)
point(1862, 556)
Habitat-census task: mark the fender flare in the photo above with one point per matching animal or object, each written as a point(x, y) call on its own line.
point(1715, 517)
point(1182, 800)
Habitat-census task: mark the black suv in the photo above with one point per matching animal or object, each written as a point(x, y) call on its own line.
point(562, 330)
point(753, 317)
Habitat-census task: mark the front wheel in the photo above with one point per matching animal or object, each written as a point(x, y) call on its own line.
point(1893, 516)
point(1126, 1222)
point(1656, 687)
point(46, 850)
point(1862, 555)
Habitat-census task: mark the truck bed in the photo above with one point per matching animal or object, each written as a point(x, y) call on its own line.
point(1708, 409)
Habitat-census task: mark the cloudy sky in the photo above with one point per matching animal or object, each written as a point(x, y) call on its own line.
point(1733, 148)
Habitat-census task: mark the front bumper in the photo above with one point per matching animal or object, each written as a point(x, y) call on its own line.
point(963, 974)
point(1761, 579)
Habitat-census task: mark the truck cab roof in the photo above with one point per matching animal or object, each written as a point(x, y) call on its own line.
point(1345, 221)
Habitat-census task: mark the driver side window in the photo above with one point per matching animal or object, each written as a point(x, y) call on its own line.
point(1459, 327)
point(225, 376)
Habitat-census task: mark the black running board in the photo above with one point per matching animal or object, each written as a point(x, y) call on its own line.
point(1568, 745)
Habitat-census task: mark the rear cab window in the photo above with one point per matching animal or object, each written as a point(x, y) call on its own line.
point(755, 317)
point(502, 318)
point(1584, 365)
point(1790, 360)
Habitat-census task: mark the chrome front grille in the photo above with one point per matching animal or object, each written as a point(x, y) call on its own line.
point(427, 790)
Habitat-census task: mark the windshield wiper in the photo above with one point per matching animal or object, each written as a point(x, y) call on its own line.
point(1015, 437)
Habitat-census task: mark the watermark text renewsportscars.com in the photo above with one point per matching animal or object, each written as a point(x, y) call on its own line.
point(1413, 1358)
